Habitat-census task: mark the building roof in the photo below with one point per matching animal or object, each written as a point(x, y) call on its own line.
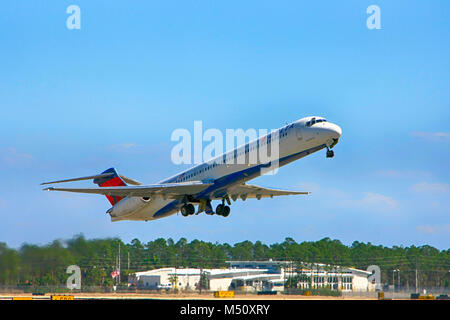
point(196, 271)
point(335, 269)
point(153, 272)
point(233, 272)
point(257, 262)
point(258, 277)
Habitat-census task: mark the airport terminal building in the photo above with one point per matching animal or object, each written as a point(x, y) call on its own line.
point(189, 278)
point(253, 276)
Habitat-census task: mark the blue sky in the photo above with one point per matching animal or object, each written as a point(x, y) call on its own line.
point(76, 102)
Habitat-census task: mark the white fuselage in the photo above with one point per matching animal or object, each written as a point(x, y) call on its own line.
point(295, 140)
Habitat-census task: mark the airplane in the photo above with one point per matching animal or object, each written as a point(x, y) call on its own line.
point(216, 179)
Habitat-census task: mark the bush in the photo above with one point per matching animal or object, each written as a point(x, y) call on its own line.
point(314, 292)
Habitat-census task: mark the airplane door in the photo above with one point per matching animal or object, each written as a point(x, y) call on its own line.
point(299, 132)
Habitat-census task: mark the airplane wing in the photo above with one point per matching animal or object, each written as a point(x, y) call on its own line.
point(165, 190)
point(245, 191)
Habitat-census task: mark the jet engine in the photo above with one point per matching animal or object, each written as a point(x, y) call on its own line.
point(128, 205)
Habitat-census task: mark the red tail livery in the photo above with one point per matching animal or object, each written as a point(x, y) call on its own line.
point(114, 180)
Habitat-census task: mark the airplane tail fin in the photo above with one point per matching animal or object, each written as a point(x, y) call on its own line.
point(108, 178)
point(111, 180)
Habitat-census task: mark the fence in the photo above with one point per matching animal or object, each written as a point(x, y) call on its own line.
point(402, 293)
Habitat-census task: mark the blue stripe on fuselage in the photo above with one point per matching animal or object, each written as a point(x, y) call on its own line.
point(221, 184)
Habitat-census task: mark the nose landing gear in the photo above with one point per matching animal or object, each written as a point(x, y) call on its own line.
point(330, 153)
point(330, 144)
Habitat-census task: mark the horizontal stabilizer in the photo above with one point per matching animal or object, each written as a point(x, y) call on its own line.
point(165, 190)
point(97, 176)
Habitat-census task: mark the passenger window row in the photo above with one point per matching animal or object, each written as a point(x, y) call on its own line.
point(247, 148)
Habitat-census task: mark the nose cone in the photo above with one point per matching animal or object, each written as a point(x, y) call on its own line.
point(334, 131)
point(337, 130)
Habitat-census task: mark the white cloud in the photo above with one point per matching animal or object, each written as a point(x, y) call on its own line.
point(431, 136)
point(122, 147)
point(431, 187)
point(12, 156)
point(435, 229)
point(377, 199)
point(372, 201)
point(309, 186)
point(390, 173)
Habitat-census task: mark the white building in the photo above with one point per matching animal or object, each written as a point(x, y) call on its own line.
point(185, 279)
point(344, 279)
point(189, 278)
point(256, 276)
point(314, 275)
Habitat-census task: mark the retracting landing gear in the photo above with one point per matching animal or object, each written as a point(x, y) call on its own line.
point(223, 210)
point(330, 153)
point(330, 145)
point(187, 209)
point(208, 208)
point(205, 206)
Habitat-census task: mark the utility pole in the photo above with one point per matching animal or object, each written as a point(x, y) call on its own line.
point(119, 263)
point(393, 283)
point(128, 260)
point(201, 279)
point(416, 277)
point(393, 280)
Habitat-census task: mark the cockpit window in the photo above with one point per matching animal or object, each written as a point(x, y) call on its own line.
point(314, 121)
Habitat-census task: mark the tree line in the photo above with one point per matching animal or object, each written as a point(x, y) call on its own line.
point(34, 265)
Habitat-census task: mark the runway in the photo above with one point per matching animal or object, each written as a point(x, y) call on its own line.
point(194, 296)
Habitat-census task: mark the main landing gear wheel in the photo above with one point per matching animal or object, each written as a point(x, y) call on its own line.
point(330, 153)
point(223, 210)
point(219, 209)
point(226, 211)
point(187, 210)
